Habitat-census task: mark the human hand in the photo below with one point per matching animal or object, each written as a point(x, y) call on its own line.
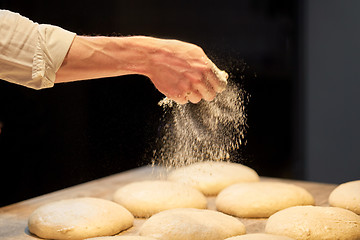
point(183, 72)
point(180, 70)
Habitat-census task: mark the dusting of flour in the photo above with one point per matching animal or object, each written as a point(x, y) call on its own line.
point(200, 132)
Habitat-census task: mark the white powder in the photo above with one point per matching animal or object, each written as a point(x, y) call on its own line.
point(204, 131)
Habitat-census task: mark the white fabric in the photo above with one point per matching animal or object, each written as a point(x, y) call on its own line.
point(31, 53)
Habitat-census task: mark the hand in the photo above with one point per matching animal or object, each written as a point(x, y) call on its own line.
point(183, 72)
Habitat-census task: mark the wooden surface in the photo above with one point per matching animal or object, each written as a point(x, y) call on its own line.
point(13, 218)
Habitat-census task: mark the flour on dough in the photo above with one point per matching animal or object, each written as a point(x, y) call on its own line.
point(211, 177)
point(79, 218)
point(261, 199)
point(314, 223)
point(347, 195)
point(145, 198)
point(194, 224)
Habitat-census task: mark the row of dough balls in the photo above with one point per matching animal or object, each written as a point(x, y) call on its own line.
point(88, 217)
point(91, 217)
point(249, 198)
point(212, 177)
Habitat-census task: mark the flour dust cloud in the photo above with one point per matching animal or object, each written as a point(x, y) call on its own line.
point(205, 131)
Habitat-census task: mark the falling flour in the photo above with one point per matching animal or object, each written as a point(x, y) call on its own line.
point(200, 132)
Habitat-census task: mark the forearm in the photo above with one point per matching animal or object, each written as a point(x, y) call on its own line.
point(180, 70)
point(98, 57)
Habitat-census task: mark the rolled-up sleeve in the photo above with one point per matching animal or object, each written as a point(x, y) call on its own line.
point(31, 53)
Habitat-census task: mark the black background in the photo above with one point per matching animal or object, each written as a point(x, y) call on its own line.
point(76, 132)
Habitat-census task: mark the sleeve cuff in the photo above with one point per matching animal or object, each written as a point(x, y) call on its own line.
point(51, 48)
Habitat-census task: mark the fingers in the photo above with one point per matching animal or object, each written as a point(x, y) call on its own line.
point(196, 86)
point(180, 99)
point(187, 92)
point(194, 96)
point(208, 80)
point(205, 90)
point(217, 78)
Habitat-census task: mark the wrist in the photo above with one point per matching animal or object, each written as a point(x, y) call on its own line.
point(141, 54)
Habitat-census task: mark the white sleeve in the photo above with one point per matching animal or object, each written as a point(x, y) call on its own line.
point(31, 53)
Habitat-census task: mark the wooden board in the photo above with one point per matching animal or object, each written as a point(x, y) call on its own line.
point(13, 218)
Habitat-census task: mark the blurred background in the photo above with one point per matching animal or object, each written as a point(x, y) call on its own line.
point(297, 60)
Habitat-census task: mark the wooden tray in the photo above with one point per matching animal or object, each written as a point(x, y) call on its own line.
point(13, 218)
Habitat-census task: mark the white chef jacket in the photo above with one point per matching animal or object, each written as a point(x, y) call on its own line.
point(31, 53)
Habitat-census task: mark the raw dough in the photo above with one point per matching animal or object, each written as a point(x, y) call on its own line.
point(261, 199)
point(314, 223)
point(260, 236)
point(347, 195)
point(194, 224)
point(145, 198)
point(79, 218)
point(121, 238)
point(211, 177)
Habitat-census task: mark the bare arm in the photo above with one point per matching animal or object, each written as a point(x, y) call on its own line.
point(179, 70)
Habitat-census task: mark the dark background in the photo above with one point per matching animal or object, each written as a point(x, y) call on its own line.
point(76, 132)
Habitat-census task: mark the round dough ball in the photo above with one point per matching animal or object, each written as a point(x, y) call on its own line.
point(79, 218)
point(261, 199)
point(347, 195)
point(121, 238)
point(314, 222)
point(194, 224)
point(145, 198)
point(260, 236)
point(211, 177)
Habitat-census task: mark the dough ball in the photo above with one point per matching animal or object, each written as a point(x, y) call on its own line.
point(314, 223)
point(212, 177)
point(260, 236)
point(261, 199)
point(79, 218)
point(121, 238)
point(190, 223)
point(347, 195)
point(145, 198)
